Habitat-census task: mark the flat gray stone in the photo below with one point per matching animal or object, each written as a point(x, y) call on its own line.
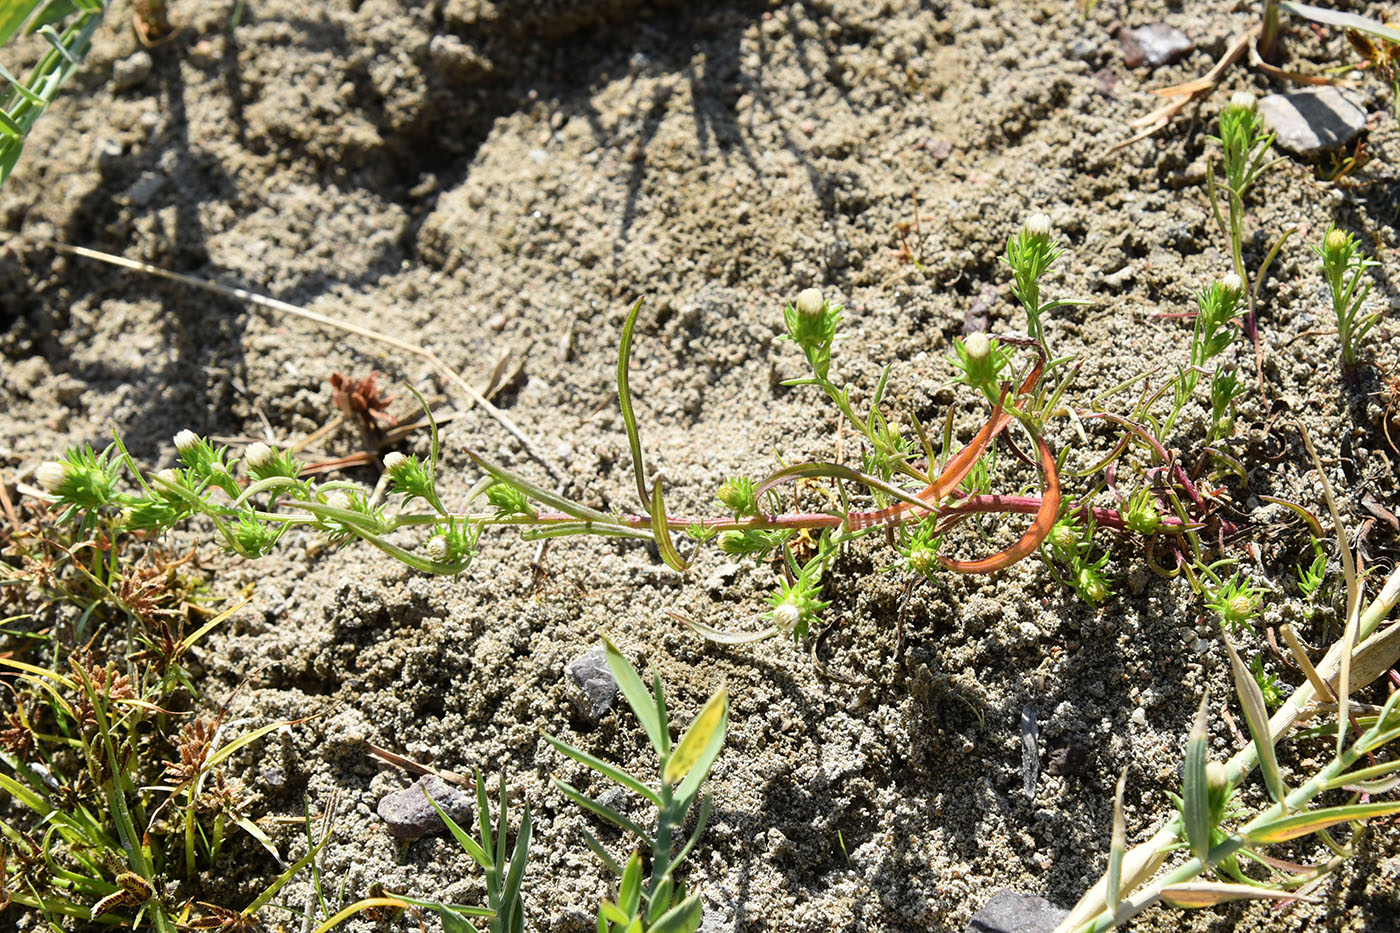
point(597, 690)
point(1313, 122)
point(408, 814)
point(1009, 912)
point(1154, 45)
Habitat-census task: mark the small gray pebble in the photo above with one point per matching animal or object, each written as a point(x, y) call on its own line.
point(132, 71)
point(1009, 912)
point(597, 688)
point(408, 814)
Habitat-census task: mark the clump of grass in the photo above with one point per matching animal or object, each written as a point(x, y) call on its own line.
point(120, 800)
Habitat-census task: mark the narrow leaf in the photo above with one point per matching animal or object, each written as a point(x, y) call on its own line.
point(1302, 824)
point(1256, 715)
point(643, 706)
point(711, 720)
point(605, 769)
point(1342, 20)
point(1190, 894)
point(685, 917)
point(1195, 791)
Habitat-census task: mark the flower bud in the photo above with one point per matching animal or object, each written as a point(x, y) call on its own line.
point(809, 302)
point(1063, 538)
point(978, 347)
point(1232, 283)
point(921, 558)
point(167, 475)
point(257, 456)
point(786, 617)
point(339, 499)
point(1336, 241)
point(393, 460)
point(1038, 225)
point(438, 548)
point(52, 475)
point(186, 441)
point(1242, 100)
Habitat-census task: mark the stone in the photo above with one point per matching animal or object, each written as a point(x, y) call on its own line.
point(132, 71)
point(1313, 122)
point(1154, 45)
point(597, 689)
point(408, 814)
point(1009, 912)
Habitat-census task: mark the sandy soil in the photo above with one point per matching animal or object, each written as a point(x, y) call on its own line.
point(487, 179)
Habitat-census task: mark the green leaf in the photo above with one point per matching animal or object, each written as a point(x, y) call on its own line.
point(602, 810)
point(711, 721)
point(629, 892)
point(1302, 824)
point(605, 769)
point(464, 840)
point(685, 917)
point(708, 754)
point(1256, 715)
point(642, 703)
point(624, 401)
point(1195, 790)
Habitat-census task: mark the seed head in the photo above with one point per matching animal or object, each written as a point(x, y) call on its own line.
point(1038, 225)
point(186, 441)
point(52, 475)
point(257, 456)
point(809, 302)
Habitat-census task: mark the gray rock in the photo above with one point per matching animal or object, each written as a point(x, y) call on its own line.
point(1009, 912)
point(1154, 45)
point(131, 72)
point(408, 814)
point(1313, 122)
point(597, 688)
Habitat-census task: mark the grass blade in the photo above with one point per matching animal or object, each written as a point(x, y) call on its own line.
point(642, 703)
point(1256, 716)
point(1195, 788)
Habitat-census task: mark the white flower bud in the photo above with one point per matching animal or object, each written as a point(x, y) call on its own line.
point(809, 302)
point(438, 548)
point(786, 617)
point(257, 455)
point(1336, 240)
point(186, 441)
point(52, 475)
point(168, 476)
point(1242, 100)
point(1038, 225)
point(978, 346)
point(393, 460)
point(1232, 283)
point(339, 499)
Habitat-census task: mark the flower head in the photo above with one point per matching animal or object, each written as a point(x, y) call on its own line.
point(809, 302)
